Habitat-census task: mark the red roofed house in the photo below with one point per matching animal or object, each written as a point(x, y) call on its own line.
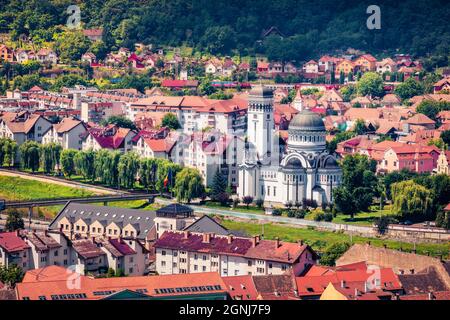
point(366, 62)
point(316, 280)
point(262, 67)
point(442, 85)
point(93, 34)
point(121, 256)
point(54, 286)
point(6, 53)
point(148, 145)
point(418, 121)
point(185, 252)
point(311, 67)
point(415, 158)
point(109, 137)
point(13, 250)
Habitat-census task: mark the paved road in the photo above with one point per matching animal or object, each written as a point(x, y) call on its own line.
point(277, 219)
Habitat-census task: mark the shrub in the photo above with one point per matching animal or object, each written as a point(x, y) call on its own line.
point(328, 217)
point(333, 252)
point(277, 212)
point(259, 203)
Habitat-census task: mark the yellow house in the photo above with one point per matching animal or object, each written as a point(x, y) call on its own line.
point(130, 230)
point(97, 228)
point(345, 66)
point(331, 293)
point(443, 162)
point(81, 226)
point(65, 225)
point(366, 62)
point(114, 230)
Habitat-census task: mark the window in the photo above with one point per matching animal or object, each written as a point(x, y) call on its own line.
point(65, 251)
point(270, 266)
point(163, 263)
point(204, 269)
point(195, 267)
point(56, 253)
point(204, 258)
point(130, 270)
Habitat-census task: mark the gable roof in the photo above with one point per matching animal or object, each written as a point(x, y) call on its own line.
point(206, 224)
point(11, 242)
point(74, 211)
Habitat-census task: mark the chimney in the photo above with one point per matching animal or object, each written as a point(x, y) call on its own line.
point(356, 292)
point(206, 237)
point(186, 234)
point(301, 243)
point(230, 239)
point(342, 283)
point(277, 242)
point(366, 287)
point(412, 271)
point(255, 241)
point(18, 232)
point(430, 296)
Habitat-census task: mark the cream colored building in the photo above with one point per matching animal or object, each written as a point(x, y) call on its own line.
point(443, 163)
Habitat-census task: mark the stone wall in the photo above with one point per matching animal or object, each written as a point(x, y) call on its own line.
point(397, 260)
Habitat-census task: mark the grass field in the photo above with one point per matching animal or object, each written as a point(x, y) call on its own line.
point(15, 188)
point(321, 239)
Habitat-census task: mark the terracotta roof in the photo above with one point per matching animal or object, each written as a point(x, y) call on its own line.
point(276, 287)
point(96, 289)
point(50, 273)
point(11, 242)
point(439, 295)
point(66, 125)
point(159, 145)
point(241, 287)
point(420, 119)
point(110, 137)
point(422, 282)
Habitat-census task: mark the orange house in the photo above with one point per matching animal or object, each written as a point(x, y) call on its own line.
point(345, 66)
point(6, 54)
point(366, 62)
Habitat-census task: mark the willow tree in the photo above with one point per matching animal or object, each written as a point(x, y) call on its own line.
point(147, 173)
point(189, 185)
point(30, 155)
point(127, 169)
point(411, 200)
point(84, 164)
point(50, 157)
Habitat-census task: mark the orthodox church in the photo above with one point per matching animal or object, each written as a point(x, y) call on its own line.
point(305, 170)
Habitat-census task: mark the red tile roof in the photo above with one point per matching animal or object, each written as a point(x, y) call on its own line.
point(11, 242)
point(241, 287)
point(95, 289)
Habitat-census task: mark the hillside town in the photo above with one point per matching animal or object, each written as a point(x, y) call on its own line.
point(161, 172)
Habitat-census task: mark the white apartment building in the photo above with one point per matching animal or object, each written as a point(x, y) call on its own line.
point(68, 134)
point(186, 252)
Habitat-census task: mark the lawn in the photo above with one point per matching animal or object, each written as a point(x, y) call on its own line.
point(240, 208)
point(321, 239)
point(15, 188)
point(365, 218)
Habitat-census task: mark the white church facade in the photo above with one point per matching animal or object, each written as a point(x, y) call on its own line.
point(306, 171)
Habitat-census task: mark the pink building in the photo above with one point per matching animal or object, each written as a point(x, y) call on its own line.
point(414, 158)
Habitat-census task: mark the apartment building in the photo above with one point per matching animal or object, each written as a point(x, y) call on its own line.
point(68, 133)
point(186, 252)
point(23, 126)
point(14, 250)
point(110, 137)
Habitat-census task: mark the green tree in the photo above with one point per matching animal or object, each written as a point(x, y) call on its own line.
point(247, 200)
point(30, 155)
point(409, 89)
point(370, 84)
point(120, 121)
point(411, 200)
point(84, 164)
point(70, 45)
point(14, 221)
point(333, 252)
point(50, 157)
point(148, 173)
point(127, 169)
point(170, 121)
point(11, 275)
point(189, 185)
point(359, 185)
point(8, 152)
point(67, 162)
point(219, 185)
point(445, 136)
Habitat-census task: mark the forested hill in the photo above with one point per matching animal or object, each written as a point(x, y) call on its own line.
point(222, 26)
